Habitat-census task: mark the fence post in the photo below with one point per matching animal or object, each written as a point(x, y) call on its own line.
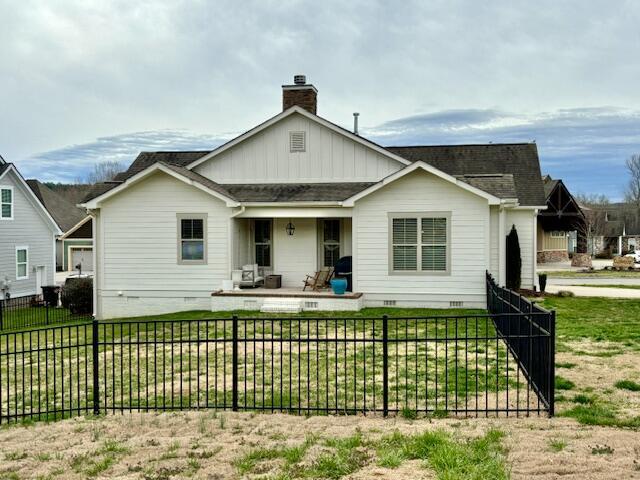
point(1, 314)
point(46, 313)
point(234, 367)
point(96, 369)
point(552, 362)
point(385, 366)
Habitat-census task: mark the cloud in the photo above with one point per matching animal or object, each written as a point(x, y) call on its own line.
point(73, 162)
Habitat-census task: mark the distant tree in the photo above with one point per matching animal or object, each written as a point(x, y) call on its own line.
point(514, 260)
point(594, 207)
point(103, 172)
point(632, 193)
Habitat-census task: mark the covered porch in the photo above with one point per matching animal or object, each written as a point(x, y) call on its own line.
point(292, 243)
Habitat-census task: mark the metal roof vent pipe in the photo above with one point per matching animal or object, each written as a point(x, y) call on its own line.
point(355, 122)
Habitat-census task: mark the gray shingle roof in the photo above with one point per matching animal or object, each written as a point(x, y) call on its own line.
point(65, 213)
point(297, 192)
point(501, 185)
point(549, 185)
point(145, 159)
point(517, 159)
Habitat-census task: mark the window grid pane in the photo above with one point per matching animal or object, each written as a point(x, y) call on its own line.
point(331, 255)
point(263, 255)
point(405, 231)
point(405, 257)
point(21, 256)
point(6, 210)
point(192, 250)
point(434, 231)
point(6, 195)
point(192, 229)
point(434, 258)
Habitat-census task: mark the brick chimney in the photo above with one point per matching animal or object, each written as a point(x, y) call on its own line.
point(300, 93)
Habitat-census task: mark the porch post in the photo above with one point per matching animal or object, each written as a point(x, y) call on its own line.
point(502, 248)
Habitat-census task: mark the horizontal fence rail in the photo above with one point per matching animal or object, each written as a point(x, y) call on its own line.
point(33, 311)
point(468, 365)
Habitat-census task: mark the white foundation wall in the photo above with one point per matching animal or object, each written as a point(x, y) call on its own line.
point(469, 243)
point(137, 250)
point(525, 222)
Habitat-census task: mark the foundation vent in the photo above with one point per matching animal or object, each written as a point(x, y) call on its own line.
point(389, 303)
point(310, 305)
point(456, 304)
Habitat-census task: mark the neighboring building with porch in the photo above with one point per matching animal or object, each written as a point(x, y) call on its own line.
point(562, 219)
point(27, 237)
point(74, 248)
point(618, 229)
point(296, 193)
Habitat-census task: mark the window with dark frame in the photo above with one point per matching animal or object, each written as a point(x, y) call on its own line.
point(262, 241)
point(192, 239)
point(6, 203)
point(330, 242)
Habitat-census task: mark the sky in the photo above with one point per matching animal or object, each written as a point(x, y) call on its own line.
point(87, 81)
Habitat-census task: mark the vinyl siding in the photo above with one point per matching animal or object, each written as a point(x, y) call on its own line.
point(495, 240)
point(423, 192)
point(524, 220)
point(329, 157)
point(138, 235)
point(28, 228)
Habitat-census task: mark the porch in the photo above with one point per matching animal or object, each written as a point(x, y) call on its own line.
point(287, 298)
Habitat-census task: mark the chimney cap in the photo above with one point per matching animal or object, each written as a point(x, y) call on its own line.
point(300, 79)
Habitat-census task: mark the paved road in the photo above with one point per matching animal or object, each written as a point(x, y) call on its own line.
point(596, 291)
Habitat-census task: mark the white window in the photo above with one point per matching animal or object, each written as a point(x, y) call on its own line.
point(192, 241)
point(22, 263)
point(297, 142)
point(557, 234)
point(330, 242)
point(419, 243)
point(262, 240)
point(6, 203)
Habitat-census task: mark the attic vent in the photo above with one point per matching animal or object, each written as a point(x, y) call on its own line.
point(456, 304)
point(297, 142)
point(389, 303)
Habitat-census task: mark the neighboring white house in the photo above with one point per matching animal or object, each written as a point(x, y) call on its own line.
point(27, 237)
point(423, 224)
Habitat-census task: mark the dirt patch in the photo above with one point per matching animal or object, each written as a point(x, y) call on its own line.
point(207, 445)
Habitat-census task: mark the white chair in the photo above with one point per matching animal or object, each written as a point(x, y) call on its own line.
point(249, 276)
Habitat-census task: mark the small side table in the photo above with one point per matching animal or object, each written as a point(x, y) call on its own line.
point(273, 281)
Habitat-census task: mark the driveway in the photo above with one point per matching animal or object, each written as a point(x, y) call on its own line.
point(580, 291)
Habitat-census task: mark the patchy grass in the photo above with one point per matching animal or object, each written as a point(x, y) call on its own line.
point(557, 445)
point(449, 457)
point(565, 365)
point(564, 384)
point(628, 385)
point(600, 413)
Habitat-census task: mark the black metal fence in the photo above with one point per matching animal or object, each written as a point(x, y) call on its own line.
point(536, 360)
point(33, 311)
point(500, 363)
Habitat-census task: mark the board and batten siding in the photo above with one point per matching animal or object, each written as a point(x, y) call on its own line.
point(29, 228)
point(295, 256)
point(469, 242)
point(329, 157)
point(138, 250)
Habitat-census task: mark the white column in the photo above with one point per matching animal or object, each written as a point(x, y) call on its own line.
point(502, 247)
point(534, 251)
point(94, 253)
point(620, 245)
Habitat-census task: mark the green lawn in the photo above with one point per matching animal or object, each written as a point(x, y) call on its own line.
point(36, 316)
point(613, 320)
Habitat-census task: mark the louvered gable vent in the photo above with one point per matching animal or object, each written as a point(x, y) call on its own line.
point(297, 142)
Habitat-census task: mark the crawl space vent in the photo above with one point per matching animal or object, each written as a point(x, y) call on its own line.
point(310, 305)
point(297, 142)
point(457, 304)
point(389, 303)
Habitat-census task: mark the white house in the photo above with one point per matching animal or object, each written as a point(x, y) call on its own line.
point(27, 237)
point(423, 224)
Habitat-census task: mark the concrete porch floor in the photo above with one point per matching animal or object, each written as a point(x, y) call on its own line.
point(255, 298)
point(284, 292)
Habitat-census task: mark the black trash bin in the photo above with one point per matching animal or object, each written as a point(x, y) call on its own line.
point(50, 295)
point(343, 270)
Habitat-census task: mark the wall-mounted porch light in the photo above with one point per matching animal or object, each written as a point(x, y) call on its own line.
point(290, 228)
